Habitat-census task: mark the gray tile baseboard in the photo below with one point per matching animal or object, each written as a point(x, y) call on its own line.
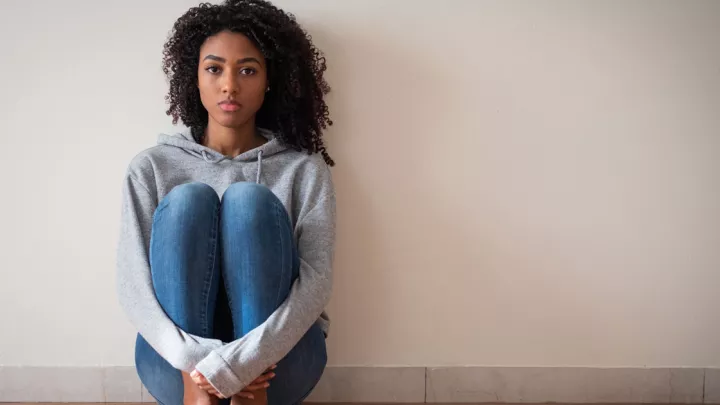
point(712, 386)
point(371, 384)
point(402, 385)
point(566, 385)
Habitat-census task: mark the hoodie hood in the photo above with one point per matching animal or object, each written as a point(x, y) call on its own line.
point(186, 142)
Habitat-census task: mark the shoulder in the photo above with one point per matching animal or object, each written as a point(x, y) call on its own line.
point(309, 170)
point(313, 183)
point(143, 166)
point(311, 164)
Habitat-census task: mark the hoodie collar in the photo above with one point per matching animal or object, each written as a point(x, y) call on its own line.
point(186, 142)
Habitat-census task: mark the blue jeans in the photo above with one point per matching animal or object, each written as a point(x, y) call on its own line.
point(244, 244)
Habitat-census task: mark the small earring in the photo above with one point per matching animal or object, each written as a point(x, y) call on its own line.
point(268, 89)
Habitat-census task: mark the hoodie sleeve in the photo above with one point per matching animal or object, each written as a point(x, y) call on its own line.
point(231, 368)
point(134, 283)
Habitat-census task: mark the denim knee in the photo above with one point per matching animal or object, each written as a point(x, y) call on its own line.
point(251, 206)
point(249, 194)
point(189, 197)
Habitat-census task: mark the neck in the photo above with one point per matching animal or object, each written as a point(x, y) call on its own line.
point(232, 141)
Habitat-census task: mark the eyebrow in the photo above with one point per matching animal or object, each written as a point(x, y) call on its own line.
point(239, 61)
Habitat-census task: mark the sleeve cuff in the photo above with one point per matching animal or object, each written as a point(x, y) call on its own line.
point(220, 375)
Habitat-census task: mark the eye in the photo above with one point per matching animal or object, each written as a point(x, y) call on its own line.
point(213, 69)
point(247, 71)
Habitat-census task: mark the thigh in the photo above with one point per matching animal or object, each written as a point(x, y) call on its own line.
point(185, 275)
point(183, 256)
point(259, 265)
point(258, 255)
point(299, 372)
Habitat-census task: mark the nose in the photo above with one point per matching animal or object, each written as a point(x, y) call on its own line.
point(229, 83)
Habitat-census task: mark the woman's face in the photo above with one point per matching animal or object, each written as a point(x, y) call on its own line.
point(232, 78)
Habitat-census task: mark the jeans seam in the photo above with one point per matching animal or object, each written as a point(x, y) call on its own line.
point(155, 219)
point(204, 315)
point(227, 290)
point(224, 270)
point(278, 218)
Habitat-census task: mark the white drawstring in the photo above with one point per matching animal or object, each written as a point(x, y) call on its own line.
point(259, 170)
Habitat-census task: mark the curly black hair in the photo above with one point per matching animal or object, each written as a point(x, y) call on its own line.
point(294, 109)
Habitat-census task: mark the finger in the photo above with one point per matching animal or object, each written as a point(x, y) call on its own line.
point(271, 368)
point(244, 394)
point(256, 387)
point(263, 378)
point(213, 391)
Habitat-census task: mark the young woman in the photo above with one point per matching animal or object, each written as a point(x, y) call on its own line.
point(224, 261)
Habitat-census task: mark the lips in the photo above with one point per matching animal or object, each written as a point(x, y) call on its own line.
point(229, 105)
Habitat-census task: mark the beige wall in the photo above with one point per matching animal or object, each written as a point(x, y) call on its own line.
point(519, 182)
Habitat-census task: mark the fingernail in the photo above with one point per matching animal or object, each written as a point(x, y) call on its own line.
point(273, 367)
point(267, 385)
point(252, 396)
point(272, 375)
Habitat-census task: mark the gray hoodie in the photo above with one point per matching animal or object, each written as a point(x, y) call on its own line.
point(304, 185)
